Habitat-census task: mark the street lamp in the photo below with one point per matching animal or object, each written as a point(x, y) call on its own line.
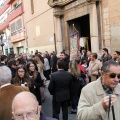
point(1, 37)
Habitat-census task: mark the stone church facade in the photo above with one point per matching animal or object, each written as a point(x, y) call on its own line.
point(96, 20)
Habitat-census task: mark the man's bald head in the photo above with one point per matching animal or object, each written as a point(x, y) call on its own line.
point(23, 97)
point(24, 103)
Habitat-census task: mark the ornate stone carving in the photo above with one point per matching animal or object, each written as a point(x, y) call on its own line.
point(54, 3)
point(58, 12)
point(60, 5)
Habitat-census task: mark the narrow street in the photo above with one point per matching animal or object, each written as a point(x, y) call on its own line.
point(47, 106)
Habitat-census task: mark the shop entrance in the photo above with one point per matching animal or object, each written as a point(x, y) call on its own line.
point(82, 25)
point(20, 50)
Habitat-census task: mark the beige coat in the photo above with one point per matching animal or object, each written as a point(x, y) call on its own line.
point(93, 69)
point(90, 107)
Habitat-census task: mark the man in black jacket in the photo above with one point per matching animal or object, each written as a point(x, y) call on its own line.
point(59, 87)
point(53, 63)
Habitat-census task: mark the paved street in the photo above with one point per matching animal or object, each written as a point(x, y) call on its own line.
point(47, 106)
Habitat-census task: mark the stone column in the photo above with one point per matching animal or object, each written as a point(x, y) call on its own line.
point(94, 28)
point(58, 33)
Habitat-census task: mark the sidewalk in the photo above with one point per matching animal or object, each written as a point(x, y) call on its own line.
point(47, 106)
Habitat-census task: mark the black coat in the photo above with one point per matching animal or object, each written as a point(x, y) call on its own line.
point(75, 86)
point(43, 117)
point(53, 63)
point(2, 64)
point(13, 72)
point(37, 84)
point(66, 63)
point(59, 85)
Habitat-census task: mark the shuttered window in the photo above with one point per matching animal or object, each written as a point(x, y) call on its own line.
point(16, 27)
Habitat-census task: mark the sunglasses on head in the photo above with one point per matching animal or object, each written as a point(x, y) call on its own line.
point(113, 75)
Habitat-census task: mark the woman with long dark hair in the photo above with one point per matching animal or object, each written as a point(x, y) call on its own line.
point(35, 75)
point(22, 78)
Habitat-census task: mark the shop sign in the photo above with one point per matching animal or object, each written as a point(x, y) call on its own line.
point(78, 2)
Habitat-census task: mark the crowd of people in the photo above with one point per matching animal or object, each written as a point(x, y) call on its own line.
point(68, 82)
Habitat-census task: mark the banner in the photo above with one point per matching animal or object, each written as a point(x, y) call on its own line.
point(84, 42)
point(73, 46)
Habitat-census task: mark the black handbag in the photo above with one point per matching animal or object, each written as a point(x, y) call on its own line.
point(82, 81)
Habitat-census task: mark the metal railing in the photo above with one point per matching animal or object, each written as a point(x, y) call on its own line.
point(16, 32)
point(17, 6)
point(2, 5)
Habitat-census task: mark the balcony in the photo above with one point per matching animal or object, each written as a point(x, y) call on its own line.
point(10, 1)
point(4, 25)
point(15, 12)
point(17, 37)
point(16, 32)
point(3, 9)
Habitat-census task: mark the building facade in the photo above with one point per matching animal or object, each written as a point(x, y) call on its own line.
point(39, 24)
point(12, 24)
point(96, 20)
point(28, 26)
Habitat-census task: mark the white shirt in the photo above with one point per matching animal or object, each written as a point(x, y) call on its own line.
point(46, 64)
point(5, 85)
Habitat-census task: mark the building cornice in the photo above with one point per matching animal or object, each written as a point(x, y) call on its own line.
point(60, 3)
point(58, 12)
point(54, 3)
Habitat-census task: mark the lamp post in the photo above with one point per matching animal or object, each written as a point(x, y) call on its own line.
point(1, 37)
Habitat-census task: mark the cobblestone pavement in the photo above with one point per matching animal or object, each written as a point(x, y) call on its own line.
point(47, 106)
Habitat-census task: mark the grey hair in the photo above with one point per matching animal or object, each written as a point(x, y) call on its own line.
point(106, 66)
point(5, 74)
point(24, 95)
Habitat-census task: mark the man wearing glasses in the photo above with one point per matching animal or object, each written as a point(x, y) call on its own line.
point(100, 100)
point(25, 107)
